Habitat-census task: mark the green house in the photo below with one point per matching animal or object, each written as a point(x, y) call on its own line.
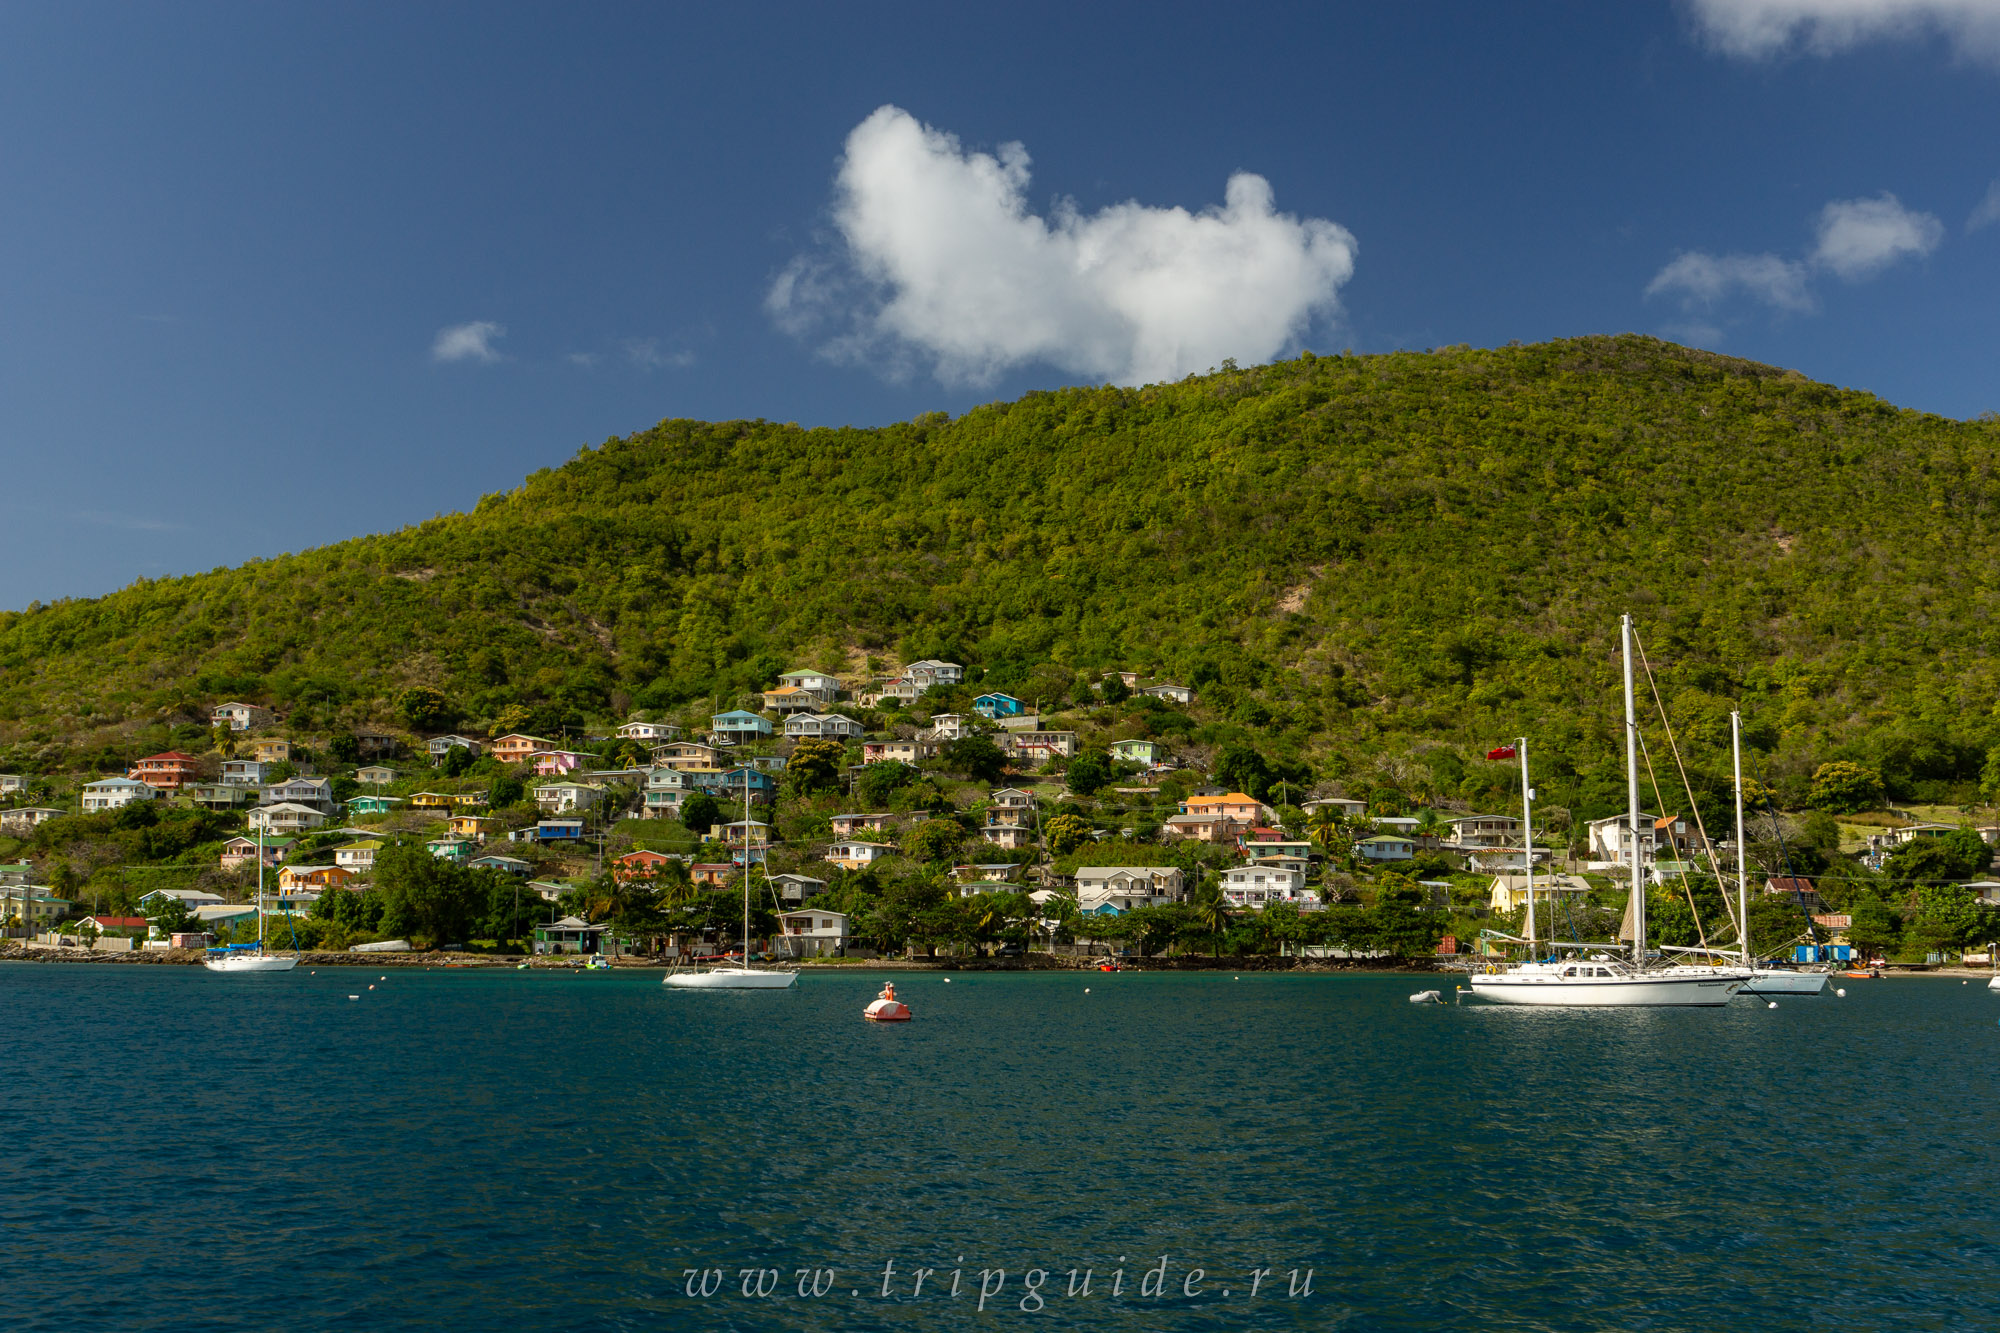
point(1136, 752)
point(372, 805)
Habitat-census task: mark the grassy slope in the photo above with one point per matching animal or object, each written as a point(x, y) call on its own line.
point(1380, 551)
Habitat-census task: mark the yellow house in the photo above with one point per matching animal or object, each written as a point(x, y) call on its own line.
point(430, 800)
point(468, 800)
point(272, 750)
point(471, 826)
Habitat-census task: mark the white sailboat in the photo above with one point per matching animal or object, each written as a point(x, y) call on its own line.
point(251, 957)
point(745, 977)
point(1763, 980)
point(1599, 978)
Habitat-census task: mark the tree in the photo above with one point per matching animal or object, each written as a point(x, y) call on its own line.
point(1065, 833)
point(1947, 917)
point(456, 760)
point(427, 898)
point(344, 748)
point(1841, 788)
point(1956, 855)
point(513, 718)
point(815, 766)
point(1874, 926)
point(505, 791)
point(976, 757)
point(1090, 772)
point(700, 813)
point(1240, 768)
point(424, 708)
point(878, 781)
point(171, 916)
point(934, 840)
point(1400, 924)
point(1114, 689)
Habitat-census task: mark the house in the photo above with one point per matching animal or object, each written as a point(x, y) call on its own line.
point(811, 934)
point(983, 872)
point(1908, 833)
point(118, 927)
point(1611, 841)
point(742, 832)
point(1010, 837)
point(315, 792)
point(116, 793)
point(1509, 891)
point(816, 682)
point(285, 817)
point(293, 878)
point(853, 855)
point(1126, 887)
point(243, 851)
point(731, 784)
point(504, 865)
point(931, 671)
point(665, 790)
point(952, 726)
point(647, 731)
point(795, 889)
point(357, 856)
point(430, 800)
point(1136, 752)
point(897, 752)
point(470, 800)
point(1272, 845)
point(372, 744)
point(374, 775)
point(1345, 807)
point(1984, 891)
point(712, 874)
point(22, 820)
point(188, 898)
point(372, 805)
point(518, 747)
point(569, 829)
point(1175, 694)
point(451, 848)
point(215, 795)
point(552, 763)
point(1796, 891)
point(685, 755)
point(846, 826)
point(642, 864)
point(13, 784)
point(569, 935)
point(31, 905)
point(792, 699)
point(1258, 886)
point(474, 827)
point(1385, 847)
point(997, 705)
point(1130, 679)
point(440, 746)
point(272, 750)
point(239, 716)
point(737, 727)
point(244, 772)
point(831, 726)
point(902, 690)
point(1233, 805)
point(1478, 831)
point(1041, 745)
point(169, 770)
point(219, 914)
point(548, 890)
point(1203, 827)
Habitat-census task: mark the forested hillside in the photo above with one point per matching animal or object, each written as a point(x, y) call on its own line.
point(1366, 561)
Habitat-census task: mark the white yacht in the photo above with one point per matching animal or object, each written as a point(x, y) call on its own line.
point(745, 977)
point(251, 957)
point(1765, 979)
point(1598, 979)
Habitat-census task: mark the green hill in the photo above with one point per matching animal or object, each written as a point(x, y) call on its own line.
point(1373, 563)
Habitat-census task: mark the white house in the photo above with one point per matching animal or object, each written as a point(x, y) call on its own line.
point(827, 725)
point(1385, 847)
point(565, 797)
point(897, 752)
point(1610, 842)
point(795, 889)
point(648, 731)
point(375, 775)
point(1012, 837)
point(440, 746)
point(12, 784)
point(815, 682)
point(930, 671)
point(1478, 831)
point(285, 817)
point(1041, 744)
point(1179, 694)
point(811, 934)
point(357, 856)
point(315, 792)
point(1344, 806)
point(188, 898)
point(856, 855)
point(1259, 886)
point(244, 772)
point(116, 793)
point(666, 788)
point(953, 726)
point(239, 716)
point(22, 819)
point(1126, 887)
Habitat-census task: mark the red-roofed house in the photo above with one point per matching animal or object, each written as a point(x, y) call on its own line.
point(165, 771)
point(119, 925)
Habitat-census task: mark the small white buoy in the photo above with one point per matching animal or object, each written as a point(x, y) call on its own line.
point(947, 981)
point(385, 975)
point(1086, 990)
point(1841, 993)
point(354, 997)
point(371, 985)
point(1772, 1005)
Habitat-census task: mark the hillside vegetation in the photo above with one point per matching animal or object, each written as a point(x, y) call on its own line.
point(1377, 565)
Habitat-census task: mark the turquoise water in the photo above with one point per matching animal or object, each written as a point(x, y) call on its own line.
point(536, 1151)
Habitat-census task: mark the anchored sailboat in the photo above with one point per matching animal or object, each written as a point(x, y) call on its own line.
point(745, 977)
point(1599, 978)
point(1763, 980)
point(251, 957)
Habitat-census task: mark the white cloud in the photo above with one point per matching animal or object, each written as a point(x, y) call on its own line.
point(646, 354)
point(1702, 279)
point(1858, 238)
point(944, 262)
point(468, 342)
point(1988, 211)
point(1755, 29)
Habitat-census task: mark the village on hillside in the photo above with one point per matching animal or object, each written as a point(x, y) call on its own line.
point(871, 817)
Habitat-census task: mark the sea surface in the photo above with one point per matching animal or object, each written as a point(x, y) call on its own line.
point(526, 1151)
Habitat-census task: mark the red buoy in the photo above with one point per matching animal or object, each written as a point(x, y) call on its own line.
point(886, 1008)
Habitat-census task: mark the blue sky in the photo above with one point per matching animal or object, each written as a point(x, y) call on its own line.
point(274, 275)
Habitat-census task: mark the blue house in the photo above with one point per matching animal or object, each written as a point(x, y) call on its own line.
point(506, 865)
point(549, 830)
point(997, 705)
point(738, 725)
point(728, 784)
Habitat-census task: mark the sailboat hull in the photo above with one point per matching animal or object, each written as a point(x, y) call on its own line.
point(1782, 981)
point(250, 963)
point(1651, 990)
point(731, 978)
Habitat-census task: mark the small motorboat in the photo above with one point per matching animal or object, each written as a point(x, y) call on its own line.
point(886, 1008)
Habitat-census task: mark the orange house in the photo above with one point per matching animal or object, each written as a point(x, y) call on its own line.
point(166, 771)
point(1234, 805)
point(314, 877)
point(638, 865)
point(518, 749)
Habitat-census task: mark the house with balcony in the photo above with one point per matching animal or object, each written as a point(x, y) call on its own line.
point(32, 905)
point(1014, 802)
point(1122, 888)
point(22, 820)
point(648, 731)
point(452, 848)
point(555, 763)
point(852, 854)
point(816, 682)
point(243, 852)
point(518, 747)
point(897, 752)
point(437, 747)
point(13, 784)
point(730, 784)
point(849, 826)
point(475, 827)
point(1386, 847)
point(931, 671)
point(215, 795)
point(737, 727)
point(665, 789)
point(1509, 892)
point(1477, 832)
point(1008, 837)
point(1258, 886)
point(996, 705)
point(685, 755)
point(1344, 806)
point(240, 716)
point(293, 878)
point(791, 699)
point(244, 772)
point(285, 817)
point(116, 794)
point(565, 797)
point(823, 726)
point(642, 864)
point(374, 775)
point(811, 934)
point(372, 805)
point(358, 856)
point(169, 771)
point(1136, 752)
point(952, 726)
point(271, 750)
point(794, 889)
point(315, 792)
point(1040, 746)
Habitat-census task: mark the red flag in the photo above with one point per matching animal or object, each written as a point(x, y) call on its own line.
point(1502, 752)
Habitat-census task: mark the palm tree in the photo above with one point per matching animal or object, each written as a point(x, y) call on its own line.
point(1211, 910)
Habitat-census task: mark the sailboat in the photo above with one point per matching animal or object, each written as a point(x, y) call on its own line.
point(745, 977)
point(1600, 978)
point(251, 957)
point(1763, 980)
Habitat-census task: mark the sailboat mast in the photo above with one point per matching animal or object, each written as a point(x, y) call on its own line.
point(260, 884)
point(746, 867)
point(1632, 800)
point(1742, 875)
point(1528, 839)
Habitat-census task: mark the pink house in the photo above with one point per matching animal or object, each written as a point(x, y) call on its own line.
point(549, 763)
